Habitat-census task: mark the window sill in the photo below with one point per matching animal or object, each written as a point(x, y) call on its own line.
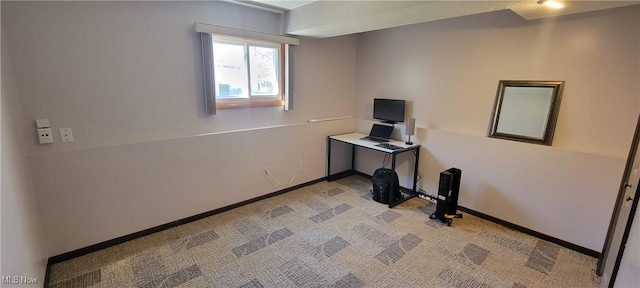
point(220, 104)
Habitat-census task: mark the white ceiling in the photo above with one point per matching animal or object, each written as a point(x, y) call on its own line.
point(328, 18)
point(283, 5)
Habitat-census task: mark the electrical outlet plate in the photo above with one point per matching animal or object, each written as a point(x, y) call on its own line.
point(66, 135)
point(45, 136)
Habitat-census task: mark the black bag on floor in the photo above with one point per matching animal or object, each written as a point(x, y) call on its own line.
point(381, 180)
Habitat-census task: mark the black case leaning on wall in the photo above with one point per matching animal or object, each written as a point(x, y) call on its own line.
point(448, 191)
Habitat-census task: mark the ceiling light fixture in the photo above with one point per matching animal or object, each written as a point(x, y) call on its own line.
point(551, 4)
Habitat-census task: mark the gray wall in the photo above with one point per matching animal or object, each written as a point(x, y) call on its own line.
point(449, 70)
point(630, 265)
point(628, 274)
point(23, 247)
point(126, 77)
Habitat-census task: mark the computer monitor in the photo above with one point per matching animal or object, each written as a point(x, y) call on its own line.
point(388, 110)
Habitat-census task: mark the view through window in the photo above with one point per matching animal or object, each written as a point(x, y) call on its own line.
point(246, 71)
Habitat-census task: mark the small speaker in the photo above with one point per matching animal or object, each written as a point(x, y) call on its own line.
point(410, 130)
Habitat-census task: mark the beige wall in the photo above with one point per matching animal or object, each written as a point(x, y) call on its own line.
point(126, 77)
point(449, 71)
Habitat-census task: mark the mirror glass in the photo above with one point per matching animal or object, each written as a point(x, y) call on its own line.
point(526, 111)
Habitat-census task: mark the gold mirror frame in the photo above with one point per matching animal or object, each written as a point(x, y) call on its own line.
point(526, 111)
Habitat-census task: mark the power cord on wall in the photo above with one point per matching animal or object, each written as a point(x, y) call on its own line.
point(386, 160)
point(278, 184)
point(423, 194)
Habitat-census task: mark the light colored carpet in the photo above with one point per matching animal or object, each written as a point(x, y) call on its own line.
point(331, 234)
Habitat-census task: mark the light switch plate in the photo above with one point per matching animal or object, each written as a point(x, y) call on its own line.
point(66, 135)
point(43, 123)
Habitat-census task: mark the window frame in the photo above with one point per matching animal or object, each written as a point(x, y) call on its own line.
point(251, 101)
point(287, 43)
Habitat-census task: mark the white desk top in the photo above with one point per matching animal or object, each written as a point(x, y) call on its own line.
point(354, 138)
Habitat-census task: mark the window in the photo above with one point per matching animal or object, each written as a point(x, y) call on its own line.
point(246, 71)
point(245, 68)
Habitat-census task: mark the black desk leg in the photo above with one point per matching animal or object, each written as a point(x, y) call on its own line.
point(415, 171)
point(335, 176)
point(353, 158)
point(328, 158)
point(392, 185)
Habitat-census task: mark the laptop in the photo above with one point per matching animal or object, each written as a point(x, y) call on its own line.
point(379, 133)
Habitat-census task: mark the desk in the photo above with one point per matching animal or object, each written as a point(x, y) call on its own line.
point(354, 139)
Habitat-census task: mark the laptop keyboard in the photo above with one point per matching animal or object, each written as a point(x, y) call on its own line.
point(388, 146)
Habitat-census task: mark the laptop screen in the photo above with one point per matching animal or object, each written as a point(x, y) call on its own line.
point(381, 131)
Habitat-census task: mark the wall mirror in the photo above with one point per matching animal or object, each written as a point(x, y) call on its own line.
point(526, 111)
